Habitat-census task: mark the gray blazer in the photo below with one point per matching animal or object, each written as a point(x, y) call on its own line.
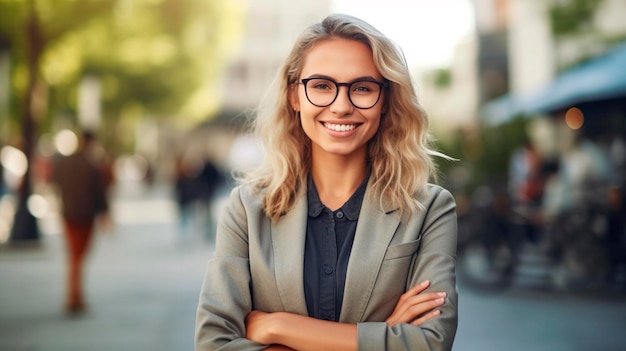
point(258, 265)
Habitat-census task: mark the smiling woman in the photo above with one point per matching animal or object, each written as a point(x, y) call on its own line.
point(336, 125)
point(336, 241)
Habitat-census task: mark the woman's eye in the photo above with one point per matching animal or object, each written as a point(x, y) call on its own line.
point(321, 86)
point(364, 87)
point(361, 89)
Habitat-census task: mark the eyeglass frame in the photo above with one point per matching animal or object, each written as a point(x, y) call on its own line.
point(382, 85)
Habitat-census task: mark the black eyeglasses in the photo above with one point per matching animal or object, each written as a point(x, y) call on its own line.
point(322, 92)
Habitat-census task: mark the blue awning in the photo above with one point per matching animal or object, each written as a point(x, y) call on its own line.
point(601, 78)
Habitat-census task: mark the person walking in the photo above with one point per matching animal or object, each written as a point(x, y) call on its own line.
point(82, 182)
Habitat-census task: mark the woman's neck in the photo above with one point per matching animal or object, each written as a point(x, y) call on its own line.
point(336, 179)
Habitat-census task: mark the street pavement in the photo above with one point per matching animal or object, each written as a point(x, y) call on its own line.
point(143, 278)
point(540, 321)
point(142, 282)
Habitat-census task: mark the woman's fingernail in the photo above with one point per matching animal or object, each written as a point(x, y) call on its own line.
point(442, 294)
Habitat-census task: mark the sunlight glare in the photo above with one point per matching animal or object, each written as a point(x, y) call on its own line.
point(426, 30)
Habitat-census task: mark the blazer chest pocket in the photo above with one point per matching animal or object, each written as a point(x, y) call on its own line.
point(402, 250)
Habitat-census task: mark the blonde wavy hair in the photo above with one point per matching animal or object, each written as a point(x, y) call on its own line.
point(399, 154)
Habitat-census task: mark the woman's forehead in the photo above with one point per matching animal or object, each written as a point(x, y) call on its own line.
point(341, 59)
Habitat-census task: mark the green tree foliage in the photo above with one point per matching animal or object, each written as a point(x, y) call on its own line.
point(483, 156)
point(578, 20)
point(442, 78)
point(152, 57)
point(572, 16)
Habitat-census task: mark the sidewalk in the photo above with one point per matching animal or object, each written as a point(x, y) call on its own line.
point(142, 286)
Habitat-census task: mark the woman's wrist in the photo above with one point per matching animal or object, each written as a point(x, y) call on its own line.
point(263, 327)
point(277, 323)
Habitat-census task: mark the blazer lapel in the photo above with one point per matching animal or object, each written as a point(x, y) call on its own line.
point(288, 237)
point(374, 232)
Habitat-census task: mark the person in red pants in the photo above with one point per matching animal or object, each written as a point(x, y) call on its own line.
point(82, 183)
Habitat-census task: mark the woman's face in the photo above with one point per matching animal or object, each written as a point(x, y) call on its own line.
point(339, 129)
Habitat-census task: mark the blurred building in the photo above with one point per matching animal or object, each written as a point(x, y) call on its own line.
point(450, 95)
point(271, 29)
point(492, 57)
point(525, 45)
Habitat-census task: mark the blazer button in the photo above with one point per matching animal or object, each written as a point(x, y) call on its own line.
point(328, 269)
point(340, 215)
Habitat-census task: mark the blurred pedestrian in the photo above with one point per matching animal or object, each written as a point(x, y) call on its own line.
point(525, 178)
point(616, 237)
point(184, 193)
point(210, 180)
point(82, 182)
point(196, 185)
point(337, 240)
point(586, 168)
point(526, 185)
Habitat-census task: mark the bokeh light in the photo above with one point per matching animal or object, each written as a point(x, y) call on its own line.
point(14, 161)
point(38, 206)
point(574, 118)
point(7, 210)
point(66, 142)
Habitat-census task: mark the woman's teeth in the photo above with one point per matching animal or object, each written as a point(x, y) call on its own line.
point(340, 127)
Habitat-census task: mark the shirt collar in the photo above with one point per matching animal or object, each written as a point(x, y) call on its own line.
point(351, 208)
point(315, 204)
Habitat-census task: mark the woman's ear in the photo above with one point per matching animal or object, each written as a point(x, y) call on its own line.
point(385, 107)
point(294, 100)
point(385, 97)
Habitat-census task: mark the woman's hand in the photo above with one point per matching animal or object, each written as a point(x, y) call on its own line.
point(258, 325)
point(259, 329)
point(416, 307)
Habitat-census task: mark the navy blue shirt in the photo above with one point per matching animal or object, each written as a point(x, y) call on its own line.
point(329, 238)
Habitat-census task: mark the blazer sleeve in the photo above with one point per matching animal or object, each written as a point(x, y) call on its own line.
point(225, 298)
point(435, 261)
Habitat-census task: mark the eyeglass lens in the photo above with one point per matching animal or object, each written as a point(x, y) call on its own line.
point(323, 92)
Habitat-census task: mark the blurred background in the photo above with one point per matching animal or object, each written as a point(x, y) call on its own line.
point(529, 95)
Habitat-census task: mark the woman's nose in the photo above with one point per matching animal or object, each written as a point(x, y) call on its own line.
point(342, 103)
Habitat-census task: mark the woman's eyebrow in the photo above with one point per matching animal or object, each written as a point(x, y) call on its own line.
point(323, 76)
